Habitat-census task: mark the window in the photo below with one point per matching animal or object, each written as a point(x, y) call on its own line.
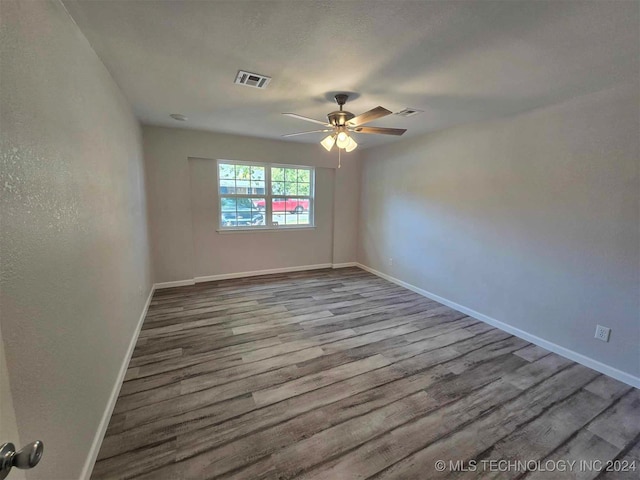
point(262, 196)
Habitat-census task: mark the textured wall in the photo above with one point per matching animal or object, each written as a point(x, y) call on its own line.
point(346, 208)
point(74, 250)
point(531, 220)
point(183, 206)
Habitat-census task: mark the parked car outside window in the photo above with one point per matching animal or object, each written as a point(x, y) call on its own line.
point(291, 205)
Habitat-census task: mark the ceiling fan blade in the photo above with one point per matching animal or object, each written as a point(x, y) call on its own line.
point(369, 116)
point(300, 117)
point(304, 133)
point(384, 131)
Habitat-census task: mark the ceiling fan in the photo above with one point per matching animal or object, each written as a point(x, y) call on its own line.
point(341, 123)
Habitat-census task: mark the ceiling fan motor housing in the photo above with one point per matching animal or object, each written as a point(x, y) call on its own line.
point(339, 118)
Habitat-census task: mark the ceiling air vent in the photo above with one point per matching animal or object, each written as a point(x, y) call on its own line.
point(254, 80)
point(408, 112)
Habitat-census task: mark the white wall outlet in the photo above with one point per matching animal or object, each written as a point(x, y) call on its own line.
point(390, 262)
point(602, 333)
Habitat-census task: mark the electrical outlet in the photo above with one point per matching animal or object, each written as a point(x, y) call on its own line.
point(391, 262)
point(602, 333)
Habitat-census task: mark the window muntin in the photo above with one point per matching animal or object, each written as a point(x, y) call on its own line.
point(263, 196)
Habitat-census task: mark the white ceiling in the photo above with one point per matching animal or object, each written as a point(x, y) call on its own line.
point(459, 61)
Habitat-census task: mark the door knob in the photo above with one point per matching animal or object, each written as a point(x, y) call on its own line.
point(27, 457)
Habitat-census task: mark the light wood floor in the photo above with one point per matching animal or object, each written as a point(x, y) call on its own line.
point(338, 374)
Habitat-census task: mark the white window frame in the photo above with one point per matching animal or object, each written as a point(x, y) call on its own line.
point(268, 196)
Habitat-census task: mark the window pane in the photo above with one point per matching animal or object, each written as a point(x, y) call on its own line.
point(243, 172)
point(304, 176)
point(259, 204)
point(259, 219)
point(277, 174)
point(291, 175)
point(279, 205)
point(304, 189)
point(227, 204)
point(277, 219)
point(291, 189)
point(227, 171)
point(277, 188)
point(257, 173)
point(257, 186)
point(244, 204)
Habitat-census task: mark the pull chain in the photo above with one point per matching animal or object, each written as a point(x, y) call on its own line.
point(339, 159)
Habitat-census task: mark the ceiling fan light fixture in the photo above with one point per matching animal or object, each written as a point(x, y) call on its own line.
point(342, 140)
point(351, 146)
point(328, 142)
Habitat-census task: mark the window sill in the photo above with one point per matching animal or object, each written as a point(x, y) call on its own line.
point(225, 231)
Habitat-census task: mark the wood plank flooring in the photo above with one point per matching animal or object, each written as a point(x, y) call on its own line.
point(338, 374)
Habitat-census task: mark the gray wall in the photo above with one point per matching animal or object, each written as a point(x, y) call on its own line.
point(75, 271)
point(531, 220)
point(181, 172)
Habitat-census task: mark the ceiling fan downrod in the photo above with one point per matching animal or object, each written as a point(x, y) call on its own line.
point(341, 99)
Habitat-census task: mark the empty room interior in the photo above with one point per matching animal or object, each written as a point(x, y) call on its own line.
point(357, 239)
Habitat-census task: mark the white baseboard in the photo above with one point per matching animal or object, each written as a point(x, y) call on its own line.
point(541, 342)
point(344, 265)
point(255, 273)
point(106, 416)
point(176, 283)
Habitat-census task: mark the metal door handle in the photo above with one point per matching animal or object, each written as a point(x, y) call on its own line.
point(27, 457)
